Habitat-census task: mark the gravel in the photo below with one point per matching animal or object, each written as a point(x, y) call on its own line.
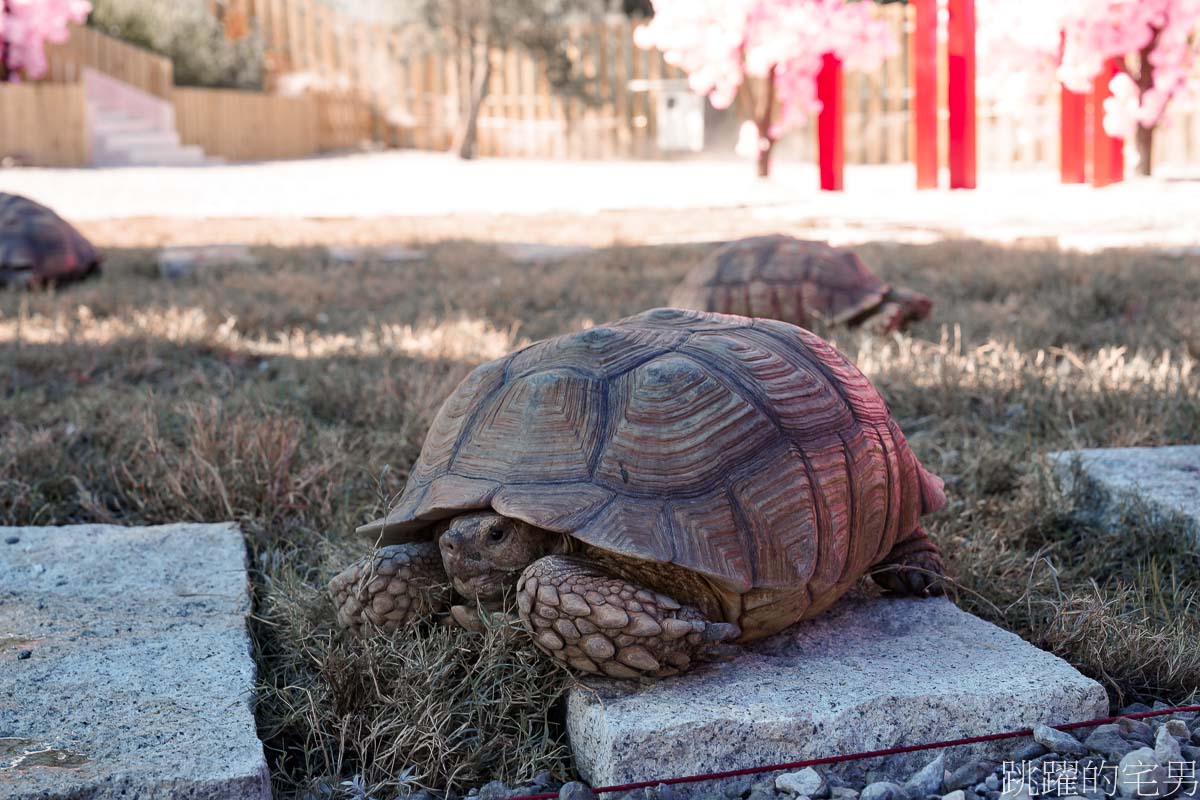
point(1136, 752)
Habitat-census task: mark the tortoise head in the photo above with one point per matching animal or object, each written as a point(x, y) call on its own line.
point(484, 552)
point(915, 306)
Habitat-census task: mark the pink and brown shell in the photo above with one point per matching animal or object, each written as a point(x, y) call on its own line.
point(39, 247)
point(750, 452)
point(796, 281)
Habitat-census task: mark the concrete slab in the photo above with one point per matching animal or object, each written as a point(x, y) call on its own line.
point(387, 254)
point(126, 664)
point(1166, 479)
point(178, 261)
point(869, 674)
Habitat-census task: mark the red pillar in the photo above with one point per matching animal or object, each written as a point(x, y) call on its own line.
point(925, 93)
point(830, 144)
point(960, 85)
point(1108, 157)
point(1072, 144)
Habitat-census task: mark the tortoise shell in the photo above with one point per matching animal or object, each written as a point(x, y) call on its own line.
point(748, 451)
point(38, 246)
point(780, 277)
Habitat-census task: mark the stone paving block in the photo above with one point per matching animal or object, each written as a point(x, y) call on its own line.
point(1166, 479)
point(178, 261)
point(870, 674)
point(125, 666)
point(388, 254)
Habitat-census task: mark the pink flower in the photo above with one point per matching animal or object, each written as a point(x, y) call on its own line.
point(27, 25)
point(720, 42)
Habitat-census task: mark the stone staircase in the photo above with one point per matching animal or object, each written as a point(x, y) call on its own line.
point(130, 127)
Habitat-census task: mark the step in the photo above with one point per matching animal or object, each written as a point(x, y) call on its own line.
point(870, 674)
point(138, 140)
point(110, 125)
point(126, 664)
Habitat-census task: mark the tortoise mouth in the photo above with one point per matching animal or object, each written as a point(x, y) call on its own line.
point(486, 585)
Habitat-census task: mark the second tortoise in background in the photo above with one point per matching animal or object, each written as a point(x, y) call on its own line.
point(797, 281)
point(39, 248)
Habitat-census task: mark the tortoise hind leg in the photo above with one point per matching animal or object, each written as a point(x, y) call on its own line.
point(914, 566)
point(396, 585)
point(603, 624)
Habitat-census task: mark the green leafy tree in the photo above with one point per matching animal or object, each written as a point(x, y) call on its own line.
point(185, 32)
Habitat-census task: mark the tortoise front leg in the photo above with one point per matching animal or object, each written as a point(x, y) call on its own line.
point(601, 624)
point(396, 585)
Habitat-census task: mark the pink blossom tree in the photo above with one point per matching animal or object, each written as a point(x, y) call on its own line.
point(721, 43)
point(1027, 44)
point(25, 28)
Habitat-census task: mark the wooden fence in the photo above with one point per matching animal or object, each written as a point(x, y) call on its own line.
point(248, 126)
point(403, 86)
point(88, 47)
point(415, 80)
point(44, 124)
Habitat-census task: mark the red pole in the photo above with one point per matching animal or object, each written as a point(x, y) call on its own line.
point(925, 93)
point(960, 84)
point(830, 143)
point(1108, 157)
point(1072, 146)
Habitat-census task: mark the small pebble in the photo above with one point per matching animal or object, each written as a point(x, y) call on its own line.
point(883, 790)
point(957, 794)
point(1136, 708)
point(1028, 751)
point(1178, 729)
point(494, 790)
point(806, 783)
point(1136, 729)
point(1140, 775)
point(970, 774)
point(576, 791)
point(12, 539)
point(929, 779)
point(843, 793)
point(24, 654)
point(1166, 746)
point(992, 783)
point(1058, 741)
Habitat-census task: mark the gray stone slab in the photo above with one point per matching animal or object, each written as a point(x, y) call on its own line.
point(1165, 479)
point(125, 667)
point(179, 261)
point(388, 254)
point(539, 253)
point(870, 674)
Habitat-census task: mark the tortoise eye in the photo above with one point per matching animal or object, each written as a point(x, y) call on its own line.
point(498, 533)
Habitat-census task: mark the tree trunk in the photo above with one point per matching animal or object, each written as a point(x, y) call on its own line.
point(766, 143)
point(1145, 81)
point(3, 48)
point(468, 139)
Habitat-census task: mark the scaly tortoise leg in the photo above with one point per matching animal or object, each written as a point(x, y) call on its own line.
point(914, 566)
point(395, 586)
point(601, 624)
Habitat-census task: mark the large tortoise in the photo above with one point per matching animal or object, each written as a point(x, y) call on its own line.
point(38, 247)
point(780, 277)
point(651, 489)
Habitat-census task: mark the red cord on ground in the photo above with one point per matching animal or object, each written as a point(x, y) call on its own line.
point(891, 751)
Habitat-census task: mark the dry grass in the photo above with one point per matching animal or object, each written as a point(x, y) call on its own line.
point(276, 396)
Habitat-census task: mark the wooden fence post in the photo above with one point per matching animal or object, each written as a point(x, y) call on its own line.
point(960, 79)
point(924, 93)
point(1108, 157)
point(830, 123)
